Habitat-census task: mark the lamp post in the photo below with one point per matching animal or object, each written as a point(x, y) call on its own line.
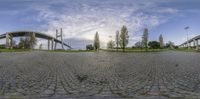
point(186, 29)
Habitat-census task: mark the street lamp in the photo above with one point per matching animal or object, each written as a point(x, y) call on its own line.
point(186, 28)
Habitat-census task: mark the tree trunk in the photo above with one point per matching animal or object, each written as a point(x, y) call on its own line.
point(123, 49)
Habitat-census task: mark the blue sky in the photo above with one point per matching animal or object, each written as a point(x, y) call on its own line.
point(80, 19)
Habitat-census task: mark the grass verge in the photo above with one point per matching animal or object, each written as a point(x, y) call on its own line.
point(72, 51)
point(14, 50)
point(135, 50)
point(185, 49)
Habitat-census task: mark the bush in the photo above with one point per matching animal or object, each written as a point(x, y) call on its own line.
point(89, 47)
point(2, 46)
point(154, 44)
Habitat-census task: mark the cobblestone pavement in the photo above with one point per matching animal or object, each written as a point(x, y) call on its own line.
point(45, 75)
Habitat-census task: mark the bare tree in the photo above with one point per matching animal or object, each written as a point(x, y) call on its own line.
point(138, 44)
point(110, 44)
point(124, 37)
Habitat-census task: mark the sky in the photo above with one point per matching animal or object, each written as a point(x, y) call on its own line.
point(81, 19)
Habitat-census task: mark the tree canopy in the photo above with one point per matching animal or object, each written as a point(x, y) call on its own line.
point(124, 37)
point(117, 38)
point(96, 41)
point(161, 41)
point(28, 42)
point(154, 44)
point(145, 38)
point(89, 47)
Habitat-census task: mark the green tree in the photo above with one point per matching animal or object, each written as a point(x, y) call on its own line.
point(154, 44)
point(123, 41)
point(170, 45)
point(28, 42)
point(2, 46)
point(13, 42)
point(161, 41)
point(111, 44)
point(117, 39)
point(145, 39)
point(21, 44)
point(96, 41)
point(89, 47)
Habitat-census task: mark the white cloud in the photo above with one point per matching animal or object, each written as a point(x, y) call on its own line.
point(167, 10)
point(82, 19)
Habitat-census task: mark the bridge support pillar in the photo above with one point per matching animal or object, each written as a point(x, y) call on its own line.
point(52, 44)
point(11, 42)
point(194, 43)
point(189, 46)
point(32, 36)
point(48, 45)
point(8, 41)
point(197, 44)
point(55, 45)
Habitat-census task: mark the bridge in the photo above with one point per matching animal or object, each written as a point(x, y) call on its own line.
point(194, 42)
point(10, 35)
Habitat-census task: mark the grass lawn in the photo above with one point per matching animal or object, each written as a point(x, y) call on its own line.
point(186, 49)
point(151, 50)
point(22, 50)
point(135, 50)
point(72, 51)
point(13, 50)
point(106, 50)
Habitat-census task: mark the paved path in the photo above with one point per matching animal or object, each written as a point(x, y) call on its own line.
point(46, 75)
